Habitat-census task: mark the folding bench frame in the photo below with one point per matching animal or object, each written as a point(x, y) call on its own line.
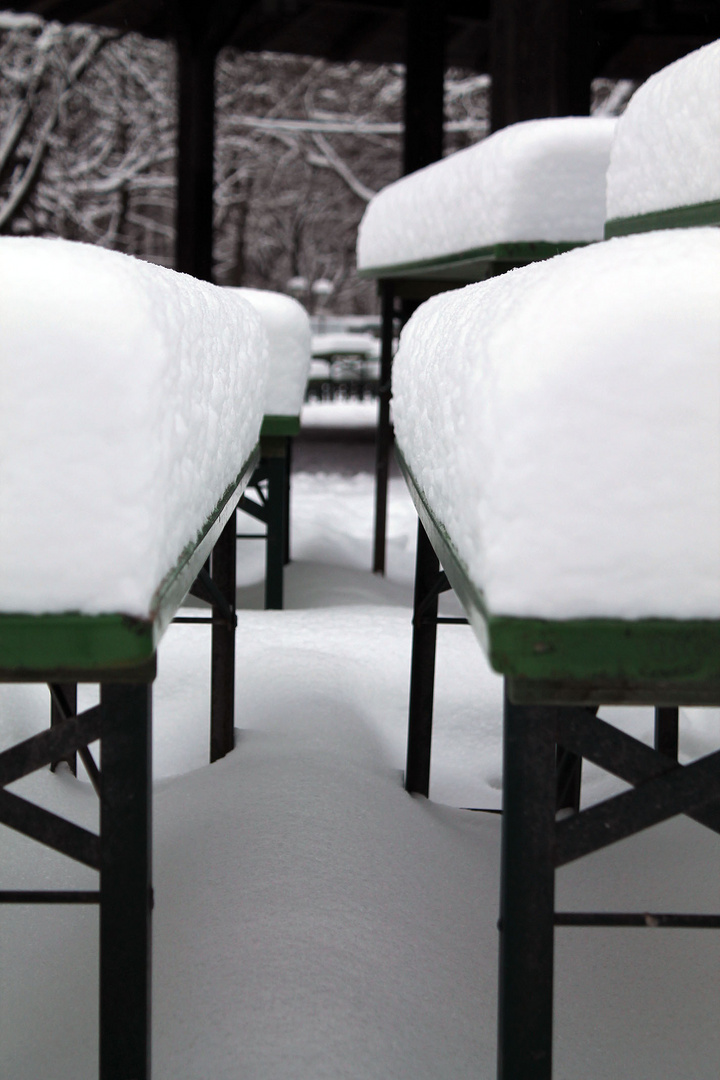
point(270, 483)
point(411, 283)
point(557, 674)
point(119, 653)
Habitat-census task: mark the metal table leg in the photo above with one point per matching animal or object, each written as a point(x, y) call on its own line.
point(125, 882)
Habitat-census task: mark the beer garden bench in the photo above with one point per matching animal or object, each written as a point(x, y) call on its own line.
point(554, 427)
point(288, 330)
point(344, 365)
point(132, 404)
point(527, 192)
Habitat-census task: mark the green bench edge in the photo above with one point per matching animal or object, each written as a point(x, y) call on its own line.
point(602, 660)
point(677, 217)
point(272, 426)
point(473, 264)
point(93, 648)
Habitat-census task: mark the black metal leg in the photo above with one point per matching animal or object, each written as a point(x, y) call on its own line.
point(68, 691)
point(667, 731)
point(384, 431)
point(288, 471)
point(276, 531)
point(422, 670)
point(125, 882)
point(222, 690)
point(527, 894)
point(569, 779)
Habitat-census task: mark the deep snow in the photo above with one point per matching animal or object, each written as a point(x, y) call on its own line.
point(536, 180)
point(666, 149)
point(311, 919)
point(563, 422)
point(121, 421)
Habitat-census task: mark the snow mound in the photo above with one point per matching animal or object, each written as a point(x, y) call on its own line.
point(131, 397)
point(533, 181)
point(563, 422)
point(350, 344)
point(666, 150)
point(287, 325)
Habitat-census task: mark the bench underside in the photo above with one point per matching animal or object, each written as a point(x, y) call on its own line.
point(113, 647)
point(584, 661)
point(475, 264)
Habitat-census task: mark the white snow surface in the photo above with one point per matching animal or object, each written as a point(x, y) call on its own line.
point(537, 180)
point(666, 150)
point(131, 396)
point(287, 324)
point(563, 422)
point(340, 414)
point(349, 344)
point(313, 922)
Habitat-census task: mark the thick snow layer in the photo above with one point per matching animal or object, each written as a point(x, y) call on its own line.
point(288, 330)
point(563, 422)
point(349, 344)
point(538, 180)
point(666, 150)
point(340, 414)
point(131, 397)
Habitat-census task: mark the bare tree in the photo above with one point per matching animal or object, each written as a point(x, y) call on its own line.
point(88, 150)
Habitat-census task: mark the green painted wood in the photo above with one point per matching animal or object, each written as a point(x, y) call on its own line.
point(629, 660)
point(475, 264)
point(677, 217)
point(280, 425)
point(82, 647)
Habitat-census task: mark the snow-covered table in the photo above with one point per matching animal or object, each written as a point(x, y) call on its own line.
point(287, 326)
point(131, 405)
point(664, 167)
point(528, 192)
point(566, 471)
point(344, 364)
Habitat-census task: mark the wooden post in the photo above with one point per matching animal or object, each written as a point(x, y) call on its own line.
point(424, 83)
point(196, 140)
point(541, 59)
point(423, 144)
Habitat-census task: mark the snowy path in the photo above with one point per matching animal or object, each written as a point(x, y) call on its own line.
point(312, 921)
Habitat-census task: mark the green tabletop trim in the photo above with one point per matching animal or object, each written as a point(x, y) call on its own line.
point(280, 425)
point(72, 645)
point(623, 659)
point(473, 264)
point(677, 217)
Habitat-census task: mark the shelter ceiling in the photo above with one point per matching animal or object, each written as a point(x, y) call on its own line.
point(630, 38)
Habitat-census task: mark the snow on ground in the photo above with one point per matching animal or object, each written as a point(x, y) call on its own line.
point(313, 921)
point(537, 180)
point(666, 150)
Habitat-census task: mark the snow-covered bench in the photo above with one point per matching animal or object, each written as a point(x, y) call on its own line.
point(344, 364)
point(664, 167)
point(288, 331)
point(131, 400)
point(528, 192)
point(664, 173)
point(567, 474)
